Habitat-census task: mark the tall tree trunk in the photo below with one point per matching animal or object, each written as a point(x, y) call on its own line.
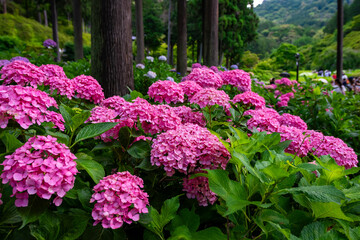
point(170, 47)
point(4, 6)
point(111, 54)
point(201, 49)
point(211, 32)
point(171, 55)
point(45, 18)
point(55, 28)
point(140, 51)
point(78, 41)
point(39, 13)
point(182, 37)
point(340, 22)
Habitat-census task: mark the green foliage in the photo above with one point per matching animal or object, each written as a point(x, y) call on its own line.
point(284, 57)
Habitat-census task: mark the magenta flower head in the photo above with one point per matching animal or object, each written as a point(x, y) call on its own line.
point(88, 88)
point(292, 121)
point(27, 106)
point(52, 70)
point(205, 77)
point(22, 73)
point(119, 199)
point(166, 91)
point(190, 88)
point(42, 166)
point(284, 81)
point(264, 119)
point(187, 149)
point(210, 96)
point(300, 144)
point(187, 115)
point(250, 99)
point(4, 62)
point(196, 65)
point(49, 43)
point(116, 103)
point(19, 58)
point(198, 188)
point(62, 85)
point(237, 78)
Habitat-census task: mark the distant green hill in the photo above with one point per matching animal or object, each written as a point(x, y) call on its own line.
point(306, 13)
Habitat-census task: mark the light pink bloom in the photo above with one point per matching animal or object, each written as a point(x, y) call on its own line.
point(250, 99)
point(205, 77)
point(88, 88)
point(166, 91)
point(198, 188)
point(237, 78)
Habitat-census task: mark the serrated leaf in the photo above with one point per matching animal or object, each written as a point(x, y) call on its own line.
point(146, 165)
point(328, 210)
point(269, 215)
point(352, 193)
point(79, 119)
point(181, 233)
point(61, 137)
point(33, 211)
point(139, 149)
point(66, 115)
point(93, 130)
point(93, 168)
point(186, 218)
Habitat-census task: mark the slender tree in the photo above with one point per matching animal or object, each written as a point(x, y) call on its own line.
point(170, 47)
point(45, 18)
point(182, 37)
point(140, 55)
point(77, 23)
point(4, 6)
point(340, 34)
point(211, 32)
point(111, 53)
point(55, 28)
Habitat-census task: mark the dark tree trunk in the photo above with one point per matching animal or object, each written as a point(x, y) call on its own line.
point(111, 54)
point(140, 51)
point(39, 13)
point(211, 32)
point(170, 47)
point(182, 37)
point(4, 6)
point(45, 18)
point(55, 28)
point(78, 41)
point(340, 22)
point(171, 55)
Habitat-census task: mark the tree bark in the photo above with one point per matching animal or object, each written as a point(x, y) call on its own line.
point(55, 28)
point(78, 41)
point(211, 32)
point(340, 22)
point(140, 51)
point(169, 50)
point(45, 18)
point(182, 37)
point(4, 6)
point(171, 55)
point(111, 61)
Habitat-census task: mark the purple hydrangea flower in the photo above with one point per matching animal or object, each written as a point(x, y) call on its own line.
point(19, 58)
point(49, 43)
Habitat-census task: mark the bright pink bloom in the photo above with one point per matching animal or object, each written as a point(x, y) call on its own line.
point(119, 198)
point(88, 88)
point(205, 77)
point(210, 96)
point(52, 70)
point(264, 119)
point(250, 99)
point(300, 144)
point(116, 103)
point(63, 86)
point(187, 149)
point(271, 86)
point(22, 73)
point(43, 167)
point(237, 78)
point(292, 121)
point(27, 106)
point(188, 116)
point(190, 88)
point(199, 188)
point(284, 81)
point(166, 91)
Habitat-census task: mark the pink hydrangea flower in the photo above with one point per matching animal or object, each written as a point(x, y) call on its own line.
point(119, 199)
point(88, 88)
point(209, 97)
point(52, 70)
point(300, 144)
point(205, 77)
point(42, 166)
point(188, 148)
point(271, 86)
point(188, 116)
point(284, 99)
point(62, 85)
point(250, 99)
point(198, 188)
point(215, 69)
point(190, 88)
point(264, 119)
point(315, 138)
point(284, 81)
point(116, 103)
point(27, 106)
point(22, 73)
point(292, 121)
point(166, 91)
point(237, 78)
point(196, 65)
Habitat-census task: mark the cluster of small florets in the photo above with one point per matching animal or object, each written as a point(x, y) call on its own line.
point(43, 167)
point(4, 62)
point(166, 91)
point(198, 188)
point(119, 199)
point(300, 143)
point(196, 65)
point(210, 96)
point(188, 148)
point(215, 69)
point(250, 99)
point(237, 78)
point(292, 121)
point(62, 85)
point(19, 58)
point(286, 82)
point(166, 119)
point(116, 103)
point(22, 73)
point(284, 99)
point(264, 119)
point(187, 115)
point(271, 86)
point(27, 106)
point(205, 77)
point(88, 88)
point(49, 43)
point(52, 70)
point(190, 88)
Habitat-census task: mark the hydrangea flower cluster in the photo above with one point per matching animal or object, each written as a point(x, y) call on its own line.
point(284, 99)
point(271, 86)
point(250, 99)
point(27, 106)
point(196, 65)
point(215, 69)
point(140, 66)
point(166, 91)
point(162, 58)
point(62, 85)
point(119, 199)
point(150, 58)
point(52, 70)
point(49, 43)
point(284, 81)
point(210, 96)
point(315, 138)
point(4, 62)
point(150, 74)
point(22, 73)
point(188, 148)
point(198, 188)
point(300, 144)
point(190, 88)
point(264, 119)
point(292, 121)
point(19, 58)
point(88, 88)
point(205, 77)
point(43, 167)
point(115, 102)
point(234, 66)
point(188, 116)
point(237, 78)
